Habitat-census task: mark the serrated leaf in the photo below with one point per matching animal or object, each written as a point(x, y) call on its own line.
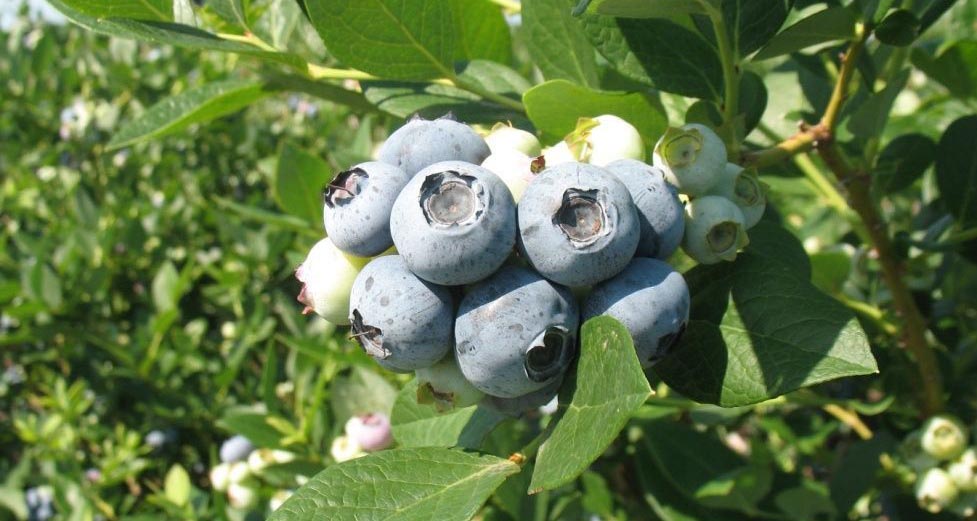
point(399, 485)
point(421, 425)
point(196, 105)
point(639, 8)
point(555, 106)
point(299, 180)
point(902, 162)
point(829, 25)
point(956, 170)
point(760, 329)
point(483, 30)
point(155, 10)
point(395, 39)
point(606, 389)
point(166, 33)
point(955, 67)
point(556, 44)
point(659, 53)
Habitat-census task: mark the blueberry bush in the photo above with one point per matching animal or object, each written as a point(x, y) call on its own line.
point(586, 259)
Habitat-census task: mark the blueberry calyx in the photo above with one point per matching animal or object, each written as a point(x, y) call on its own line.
point(370, 338)
point(582, 217)
point(546, 357)
point(344, 187)
point(680, 147)
point(724, 237)
point(451, 199)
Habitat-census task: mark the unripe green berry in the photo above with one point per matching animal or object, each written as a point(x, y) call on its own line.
point(693, 158)
point(558, 154)
point(714, 230)
point(912, 454)
point(513, 167)
point(743, 187)
point(445, 386)
point(944, 438)
point(963, 471)
point(327, 275)
point(935, 490)
point(504, 137)
point(605, 139)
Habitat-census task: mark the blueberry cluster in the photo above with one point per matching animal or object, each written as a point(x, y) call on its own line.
point(941, 467)
point(472, 261)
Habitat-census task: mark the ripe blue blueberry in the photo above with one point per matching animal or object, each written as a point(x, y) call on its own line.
point(693, 158)
point(357, 207)
point(743, 187)
point(454, 223)
point(515, 333)
point(235, 448)
point(714, 230)
point(660, 211)
point(577, 224)
point(403, 322)
point(421, 143)
point(40, 503)
point(651, 299)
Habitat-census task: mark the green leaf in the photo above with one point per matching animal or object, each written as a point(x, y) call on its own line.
point(639, 8)
point(362, 391)
point(556, 44)
point(400, 484)
point(900, 28)
point(396, 39)
point(176, 486)
point(483, 30)
point(607, 388)
point(299, 180)
point(659, 53)
point(807, 502)
point(830, 270)
point(956, 170)
point(196, 105)
point(760, 329)
point(855, 470)
point(251, 423)
point(320, 89)
point(154, 10)
point(166, 33)
point(955, 67)
point(165, 287)
point(232, 11)
point(752, 100)
point(753, 22)
point(902, 162)
point(870, 117)
point(829, 25)
point(555, 106)
point(704, 469)
point(419, 425)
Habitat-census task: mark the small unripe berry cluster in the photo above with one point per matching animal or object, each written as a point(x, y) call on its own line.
point(239, 472)
point(942, 466)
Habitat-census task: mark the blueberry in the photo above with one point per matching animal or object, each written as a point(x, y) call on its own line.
point(444, 386)
point(505, 137)
point(515, 169)
point(520, 405)
point(963, 471)
point(454, 223)
point(558, 154)
point(743, 187)
point(327, 275)
point(651, 299)
point(357, 207)
point(935, 490)
point(605, 139)
point(577, 224)
point(421, 143)
point(515, 333)
point(693, 158)
point(235, 448)
point(714, 230)
point(944, 437)
point(403, 322)
point(660, 212)
point(370, 431)
point(40, 503)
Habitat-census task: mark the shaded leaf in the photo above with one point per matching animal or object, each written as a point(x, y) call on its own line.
point(955, 67)
point(299, 181)
point(421, 425)
point(900, 28)
point(639, 8)
point(829, 25)
point(956, 169)
point(902, 162)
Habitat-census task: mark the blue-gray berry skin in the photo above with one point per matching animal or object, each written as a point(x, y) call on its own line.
point(454, 223)
point(357, 207)
point(515, 333)
point(235, 448)
point(520, 405)
point(660, 212)
point(403, 322)
point(577, 224)
point(421, 143)
point(651, 299)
